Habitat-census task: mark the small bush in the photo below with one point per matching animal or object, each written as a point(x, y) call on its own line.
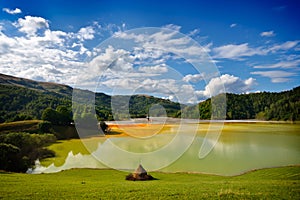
point(45, 127)
point(103, 126)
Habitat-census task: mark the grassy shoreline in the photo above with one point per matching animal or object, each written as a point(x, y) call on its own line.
point(275, 183)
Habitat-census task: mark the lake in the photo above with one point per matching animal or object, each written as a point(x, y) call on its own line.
point(241, 147)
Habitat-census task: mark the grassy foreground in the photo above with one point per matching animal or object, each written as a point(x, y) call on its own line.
point(276, 183)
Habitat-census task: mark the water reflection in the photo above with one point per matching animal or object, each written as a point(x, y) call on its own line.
point(237, 151)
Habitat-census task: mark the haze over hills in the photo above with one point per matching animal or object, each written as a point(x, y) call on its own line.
point(25, 99)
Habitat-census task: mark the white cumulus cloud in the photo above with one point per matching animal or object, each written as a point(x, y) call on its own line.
point(226, 83)
point(118, 60)
point(12, 12)
point(163, 68)
point(193, 78)
point(44, 54)
point(86, 33)
point(30, 25)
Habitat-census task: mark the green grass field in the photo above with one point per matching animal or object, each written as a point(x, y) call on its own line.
point(276, 183)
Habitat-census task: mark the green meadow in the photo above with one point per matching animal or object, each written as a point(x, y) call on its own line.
point(275, 183)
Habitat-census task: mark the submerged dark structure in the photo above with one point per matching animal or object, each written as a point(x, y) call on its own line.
point(140, 174)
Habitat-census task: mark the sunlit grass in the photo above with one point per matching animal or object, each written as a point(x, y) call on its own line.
point(276, 183)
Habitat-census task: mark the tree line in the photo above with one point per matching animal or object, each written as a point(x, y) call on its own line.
point(264, 106)
point(20, 103)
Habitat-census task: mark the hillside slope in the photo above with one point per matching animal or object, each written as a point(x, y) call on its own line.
point(45, 87)
point(266, 106)
point(22, 99)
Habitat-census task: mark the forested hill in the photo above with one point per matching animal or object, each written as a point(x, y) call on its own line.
point(265, 106)
point(44, 87)
point(22, 99)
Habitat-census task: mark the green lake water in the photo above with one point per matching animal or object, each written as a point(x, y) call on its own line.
point(241, 147)
point(244, 147)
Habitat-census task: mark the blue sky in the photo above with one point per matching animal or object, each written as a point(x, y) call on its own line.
point(254, 45)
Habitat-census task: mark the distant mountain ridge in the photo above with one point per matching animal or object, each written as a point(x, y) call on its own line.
point(22, 98)
point(48, 87)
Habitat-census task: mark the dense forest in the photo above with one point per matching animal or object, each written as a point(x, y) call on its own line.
point(263, 106)
point(22, 99)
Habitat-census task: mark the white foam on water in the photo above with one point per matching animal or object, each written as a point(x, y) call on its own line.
point(72, 161)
